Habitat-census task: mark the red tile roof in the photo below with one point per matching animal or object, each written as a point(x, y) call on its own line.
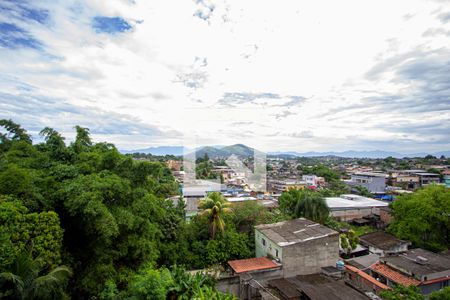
point(367, 277)
point(252, 264)
point(393, 275)
point(434, 280)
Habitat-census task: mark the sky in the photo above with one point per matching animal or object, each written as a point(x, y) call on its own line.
point(275, 75)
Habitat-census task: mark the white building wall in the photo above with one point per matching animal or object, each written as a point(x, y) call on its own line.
point(264, 246)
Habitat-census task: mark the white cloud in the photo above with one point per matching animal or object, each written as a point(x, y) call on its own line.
point(180, 64)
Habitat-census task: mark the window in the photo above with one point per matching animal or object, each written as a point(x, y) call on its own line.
point(263, 242)
point(276, 252)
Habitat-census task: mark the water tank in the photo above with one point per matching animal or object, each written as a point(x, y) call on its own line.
point(340, 265)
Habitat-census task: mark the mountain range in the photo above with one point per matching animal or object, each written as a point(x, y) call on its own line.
point(243, 150)
point(362, 154)
point(161, 150)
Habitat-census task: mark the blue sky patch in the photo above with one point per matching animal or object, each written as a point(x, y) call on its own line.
point(110, 24)
point(24, 11)
point(38, 15)
point(14, 37)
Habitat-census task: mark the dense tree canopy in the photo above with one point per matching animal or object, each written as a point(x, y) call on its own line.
point(106, 217)
point(84, 205)
point(400, 292)
point(20, 230)
point(424, 217)
point(443, 294)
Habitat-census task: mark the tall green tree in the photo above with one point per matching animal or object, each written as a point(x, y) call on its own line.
point(304, 203)
point(14, 132)
point(104, 216)
point(423, 217)
point(363, 191)
point(214, 207)
point(82, 140)
point(54, 144)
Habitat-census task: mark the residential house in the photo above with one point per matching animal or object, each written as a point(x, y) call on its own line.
point(363, 262)
point(382, 243)
point(374, 182)
point(428, 178)
point(427, 270)
point(349, 207)
point(446, 174)
point(315, 286)
point(364, 281)
point(282, 185)
point(248, 277)
point(302, 246)
point(412, 179)
point(174, 165)
point(407, 181)
point(313, 180)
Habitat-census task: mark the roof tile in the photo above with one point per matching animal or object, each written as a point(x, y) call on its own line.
point(393, 275)
point(252, 264)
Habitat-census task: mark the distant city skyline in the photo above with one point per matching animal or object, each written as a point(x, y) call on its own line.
point(299, 76)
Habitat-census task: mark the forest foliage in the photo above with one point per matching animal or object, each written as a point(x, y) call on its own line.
point(99, 214)
point(423, 217)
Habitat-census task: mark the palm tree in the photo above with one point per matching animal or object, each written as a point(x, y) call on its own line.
point(215, 206)
point(26, 278)
point(312, 206)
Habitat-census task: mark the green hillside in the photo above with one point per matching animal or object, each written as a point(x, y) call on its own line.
point(237, 149)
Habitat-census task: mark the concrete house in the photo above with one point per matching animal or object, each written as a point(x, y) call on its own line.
point(446, 174)
point(412, 179)
point(374, 182)
point(427, 270)
point(382, 243)
point(407, 181)
point(283, 185)
point(301, 246)
point(350, 207)
point(428, 178)
point(313, 180)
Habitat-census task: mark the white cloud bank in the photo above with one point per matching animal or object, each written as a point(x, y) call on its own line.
point(297, 75)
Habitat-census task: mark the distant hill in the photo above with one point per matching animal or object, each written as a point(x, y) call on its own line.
point(348, 154)
point(243, 151)
point(161, 150)
point(238, 150)
point(359, 154)
point(211, 151)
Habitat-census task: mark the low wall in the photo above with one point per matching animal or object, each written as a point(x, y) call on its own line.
point(240, 285)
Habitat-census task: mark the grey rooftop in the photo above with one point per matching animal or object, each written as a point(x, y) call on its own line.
point(294, 231)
